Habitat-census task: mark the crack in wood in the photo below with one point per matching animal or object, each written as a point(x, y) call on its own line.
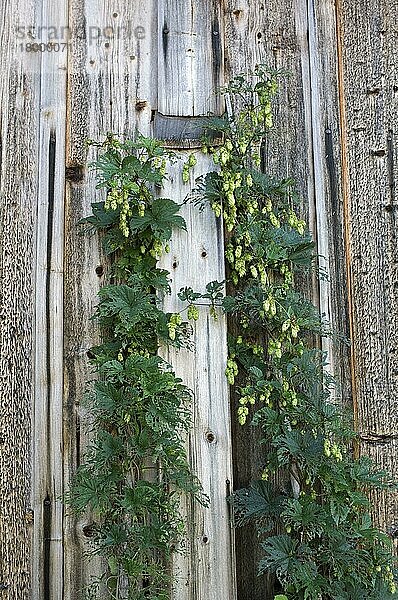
point(182, 132)
point(390, 166)
point(47, 514)
point(377, 438)
point(47, 506)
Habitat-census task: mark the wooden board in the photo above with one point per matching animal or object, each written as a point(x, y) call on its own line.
point(369, 72)
point(19, 131)
point(205, 569)
point(132, 66)
point(110, 89)
point(190, 74)
point(299, 38)
point(190, 57)
point(47, 412)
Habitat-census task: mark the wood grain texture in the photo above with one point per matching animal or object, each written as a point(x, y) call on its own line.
point(298, 37)
point(110, 88)
point(190, 73)
point(369, 76)
point(190, 57)
point(273, 33)
point(19, 96)
point(206, 569)
point(168, 56)
point(262, 32)
point(328, 190)
point(47, 444)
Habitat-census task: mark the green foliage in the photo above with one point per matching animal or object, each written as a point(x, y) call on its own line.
point(318, 538)
point(310, 502)
point(135, 468)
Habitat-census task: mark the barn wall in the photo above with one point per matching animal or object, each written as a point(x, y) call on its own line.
point(335, 134)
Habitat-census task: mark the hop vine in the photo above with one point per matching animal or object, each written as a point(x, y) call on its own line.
point(316, 533)
point(135, 468)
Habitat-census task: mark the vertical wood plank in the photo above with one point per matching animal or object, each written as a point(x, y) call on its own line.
point(273, 33)
point(205, 569)
point(190, 73)
point(111, 87)
point(369, 71)
point(329, 206)
point(298, 37)
point(190, 57)
point(19, 97)
point(47, 445)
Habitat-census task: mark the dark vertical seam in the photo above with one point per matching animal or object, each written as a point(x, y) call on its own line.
point(346, 207)
point(47, 503)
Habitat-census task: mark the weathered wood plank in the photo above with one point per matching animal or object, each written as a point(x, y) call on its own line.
point(48, 401)
point(190, 57)
point(110, 88)
point(197, 257)
point(329, 208)
point(19, 96)
point(190, 73)
point(369, 70)
point(256, 32)
point(299, 38)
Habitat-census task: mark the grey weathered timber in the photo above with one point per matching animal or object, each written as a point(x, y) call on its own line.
point(368, 84)
point(111, 88)
point(158, 72)
point(189, 71)
point(47, 480)
point(190, 55)
point(205, 569)
point(298, 37)
point(19, 97)
point(328, 189)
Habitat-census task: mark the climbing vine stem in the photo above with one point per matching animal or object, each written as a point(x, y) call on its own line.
point(317, 535)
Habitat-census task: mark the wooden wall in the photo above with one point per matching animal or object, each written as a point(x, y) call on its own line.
point(335, 133)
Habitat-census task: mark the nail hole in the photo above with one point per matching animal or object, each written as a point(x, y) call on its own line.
point(205, 539)
point(210, 437)
point(204, 254)
point(175, 265)
point(115, 15)
point(99, 270)
point(380, 152)
point(74, 173)
point(88, 530)
point(140, 105)
point(259, 35)
point(107, 44)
